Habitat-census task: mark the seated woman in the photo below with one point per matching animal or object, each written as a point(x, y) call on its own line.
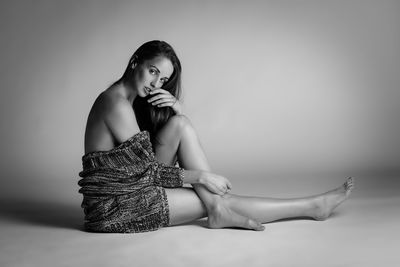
point(135, 135)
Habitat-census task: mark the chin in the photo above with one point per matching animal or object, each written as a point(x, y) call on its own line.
point(142, 93)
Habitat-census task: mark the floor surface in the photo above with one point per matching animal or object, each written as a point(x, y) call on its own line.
point(364, 231)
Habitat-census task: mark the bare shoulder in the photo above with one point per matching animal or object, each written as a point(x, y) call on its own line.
point(114, 105)
point(109, 100)
point(111, 121)
point(118, 115)
point(109, 103)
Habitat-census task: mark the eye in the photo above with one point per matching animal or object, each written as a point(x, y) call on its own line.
point(153, 71)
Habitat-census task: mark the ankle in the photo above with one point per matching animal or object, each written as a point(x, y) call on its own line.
point(218, 204)
point(319, 210)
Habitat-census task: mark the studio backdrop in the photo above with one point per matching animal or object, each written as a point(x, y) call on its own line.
point(274, 88)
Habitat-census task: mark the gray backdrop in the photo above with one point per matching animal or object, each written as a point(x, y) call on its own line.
point(274, 88)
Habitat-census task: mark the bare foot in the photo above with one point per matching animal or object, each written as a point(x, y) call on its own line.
point(222, 217)
point(327, 202)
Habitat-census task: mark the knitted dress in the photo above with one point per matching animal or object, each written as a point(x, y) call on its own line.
point(123, 188)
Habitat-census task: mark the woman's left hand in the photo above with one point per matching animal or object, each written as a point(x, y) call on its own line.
point(162, 98)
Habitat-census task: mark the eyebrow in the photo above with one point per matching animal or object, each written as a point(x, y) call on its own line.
point(158, 70)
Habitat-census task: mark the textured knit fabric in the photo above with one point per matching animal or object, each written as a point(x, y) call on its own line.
point(123, 188)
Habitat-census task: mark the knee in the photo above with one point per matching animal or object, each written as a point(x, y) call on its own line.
point(179, 122)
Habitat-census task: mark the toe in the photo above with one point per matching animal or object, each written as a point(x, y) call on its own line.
point(252, 224)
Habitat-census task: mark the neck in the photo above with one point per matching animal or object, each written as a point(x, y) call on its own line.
point(128, 90)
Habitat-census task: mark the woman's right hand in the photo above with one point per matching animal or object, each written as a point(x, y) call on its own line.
point(215, 183)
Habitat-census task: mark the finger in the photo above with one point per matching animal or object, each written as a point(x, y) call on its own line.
point(169, 104)
point(223, 190)
point(163, 100)
point(159, 90)
point(160, 96)
point(215, 190)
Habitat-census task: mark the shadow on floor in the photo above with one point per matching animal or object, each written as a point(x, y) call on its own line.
point(41, 212)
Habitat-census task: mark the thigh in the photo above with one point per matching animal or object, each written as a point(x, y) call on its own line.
point(184, 205)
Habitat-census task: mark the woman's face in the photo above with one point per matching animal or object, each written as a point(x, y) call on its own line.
point(151, 74)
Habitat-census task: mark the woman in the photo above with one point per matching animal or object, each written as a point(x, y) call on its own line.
point(136, 133)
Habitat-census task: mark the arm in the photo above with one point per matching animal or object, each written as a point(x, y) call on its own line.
point(120, 119)
point(215, 183)
point(170, 176)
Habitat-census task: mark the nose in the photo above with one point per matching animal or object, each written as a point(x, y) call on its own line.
point(156, 83)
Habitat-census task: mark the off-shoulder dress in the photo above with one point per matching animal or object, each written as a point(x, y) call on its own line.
point(123, 188)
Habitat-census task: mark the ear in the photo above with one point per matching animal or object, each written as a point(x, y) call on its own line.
point(133, 61)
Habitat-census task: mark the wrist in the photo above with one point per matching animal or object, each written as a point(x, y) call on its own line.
point(201, 177)
point(193, 177)
point(177, 109)
point(178, 112)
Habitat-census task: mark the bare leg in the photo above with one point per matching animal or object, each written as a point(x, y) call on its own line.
point(263, 209)
point(178, 138)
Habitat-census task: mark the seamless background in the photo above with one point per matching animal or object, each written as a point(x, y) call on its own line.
point(274, 88)
point(288, 97)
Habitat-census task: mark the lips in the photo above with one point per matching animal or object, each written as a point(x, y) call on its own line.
point(147, 90)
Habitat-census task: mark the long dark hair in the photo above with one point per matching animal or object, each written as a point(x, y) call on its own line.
point(150, 118)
